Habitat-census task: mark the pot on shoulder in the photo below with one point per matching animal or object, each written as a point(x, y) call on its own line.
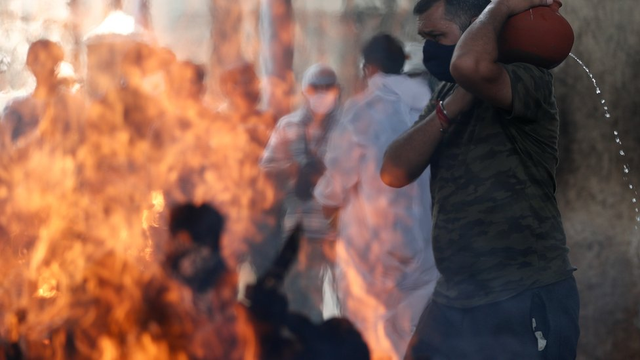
point(539, 36)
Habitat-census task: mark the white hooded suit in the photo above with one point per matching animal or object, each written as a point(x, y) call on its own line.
point(385, 268)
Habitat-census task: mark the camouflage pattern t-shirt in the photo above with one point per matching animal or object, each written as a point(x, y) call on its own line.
point(497, 229)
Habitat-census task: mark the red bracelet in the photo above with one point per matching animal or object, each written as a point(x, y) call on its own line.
point(442, 116)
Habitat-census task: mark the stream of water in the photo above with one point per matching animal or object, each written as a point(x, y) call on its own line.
point(626, 169)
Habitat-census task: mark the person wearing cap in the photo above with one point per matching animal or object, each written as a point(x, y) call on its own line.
point(293, 157)
point(385, 270)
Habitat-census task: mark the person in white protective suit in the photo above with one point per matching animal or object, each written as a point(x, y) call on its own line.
point(385, 271)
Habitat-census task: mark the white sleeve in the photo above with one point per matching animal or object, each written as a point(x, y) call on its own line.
point(342, 161)
point(277, 154)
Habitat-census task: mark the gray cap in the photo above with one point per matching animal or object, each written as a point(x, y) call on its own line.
point(319, 75)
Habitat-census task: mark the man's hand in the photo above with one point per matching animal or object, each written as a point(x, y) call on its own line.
point(517, 6)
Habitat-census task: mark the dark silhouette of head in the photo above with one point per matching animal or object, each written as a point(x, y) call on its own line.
point(383, 53)
point(193, 253)
point(43, 58)
point(202, 224)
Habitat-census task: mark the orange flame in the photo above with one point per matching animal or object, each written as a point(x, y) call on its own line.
point(83, 211)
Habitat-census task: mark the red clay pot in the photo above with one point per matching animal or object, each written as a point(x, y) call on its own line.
point(539, 36)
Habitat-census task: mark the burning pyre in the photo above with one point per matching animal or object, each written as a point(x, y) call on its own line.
point(84, 202)
point(94, 266)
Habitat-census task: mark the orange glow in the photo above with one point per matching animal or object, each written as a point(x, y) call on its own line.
point(365, 309)
point(83, 223)
point(117, 22)
point(84, 203)
point(47, 287)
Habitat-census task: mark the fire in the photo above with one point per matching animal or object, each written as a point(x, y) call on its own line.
point(118, 23)
point(151, 217)
point(48, 290)
point(370, 308)
point(47, 286)
point(84, 202)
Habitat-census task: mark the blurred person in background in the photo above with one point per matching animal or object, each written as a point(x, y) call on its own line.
point(293, 158)
point(240, 86)
point(385, 271)
point(22, 115)
point(252, 202)
point(55, 111)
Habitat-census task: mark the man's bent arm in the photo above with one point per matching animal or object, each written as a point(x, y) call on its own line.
point(409, 155)
point(475, 64)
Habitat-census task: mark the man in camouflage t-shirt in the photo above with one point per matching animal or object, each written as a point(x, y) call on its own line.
point(490, 134)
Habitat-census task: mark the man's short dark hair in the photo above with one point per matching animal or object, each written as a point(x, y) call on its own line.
point(461, 12)
point(386, 53)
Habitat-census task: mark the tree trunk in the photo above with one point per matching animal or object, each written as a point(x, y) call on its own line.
point(143, 15)
point(226, 48)
point(389, 18)
point(75, 30)
point(277, 34)
point(349, 49)
point(115, 5)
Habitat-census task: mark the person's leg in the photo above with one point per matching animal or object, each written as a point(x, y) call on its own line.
point(304, 283)
point(436, 333)
point(403, 312)
point(496, 331)
point(501, 331)
point(562, 307)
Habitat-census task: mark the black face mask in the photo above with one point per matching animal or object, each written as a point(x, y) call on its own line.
point(437, 59)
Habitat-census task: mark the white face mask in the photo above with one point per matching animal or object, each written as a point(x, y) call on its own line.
point(322, 103)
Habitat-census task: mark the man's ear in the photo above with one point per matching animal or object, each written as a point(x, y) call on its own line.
point(370, 70)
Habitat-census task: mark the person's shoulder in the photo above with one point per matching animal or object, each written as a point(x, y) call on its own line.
point(355, 103)
point(19, 102)
point(290, 126)
point(355, 110)
point(292, 119)
point(519, 71)
point(529, 81)
point(522, 66)
point(366, 115)
point(18, 106)
point(362, 102)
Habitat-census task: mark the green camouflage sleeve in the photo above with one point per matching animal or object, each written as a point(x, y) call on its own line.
point(532, 92)
point(441, 93)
